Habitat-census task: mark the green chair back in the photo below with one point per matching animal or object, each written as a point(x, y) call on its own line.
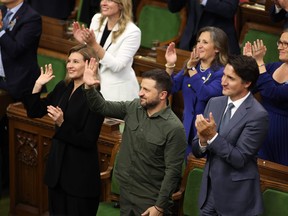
point(275, 203)
point(59, 69)
point(269, 40)
point(190, 202)
point(157, 24)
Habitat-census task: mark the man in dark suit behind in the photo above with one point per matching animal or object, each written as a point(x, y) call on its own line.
point(230, 182)
point(202, 13)
point(19, 43)
point(19, 69)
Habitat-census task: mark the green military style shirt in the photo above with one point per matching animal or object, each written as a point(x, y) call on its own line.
point(152, 149)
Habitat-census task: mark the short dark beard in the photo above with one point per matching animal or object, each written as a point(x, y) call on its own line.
point(150, 105)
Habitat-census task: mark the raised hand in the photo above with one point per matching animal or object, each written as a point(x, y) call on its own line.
point(90, 74)
point(78, 32)
point(44, 78)
point(170, 55)
point(259, 51)
point(247, 49)
point(194, 58)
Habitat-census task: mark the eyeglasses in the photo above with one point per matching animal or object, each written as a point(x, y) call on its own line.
point(282, 43)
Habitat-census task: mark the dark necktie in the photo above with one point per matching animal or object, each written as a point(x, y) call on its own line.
point(6, 19)
point(226, 117)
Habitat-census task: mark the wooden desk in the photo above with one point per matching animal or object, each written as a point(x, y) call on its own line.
point(257, 13)
point(29, 144)
point(54, 39)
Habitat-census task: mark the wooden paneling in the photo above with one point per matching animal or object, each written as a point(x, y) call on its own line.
point(29, 145)
point(257, 13)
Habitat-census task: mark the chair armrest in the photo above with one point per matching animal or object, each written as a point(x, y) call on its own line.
point(106, 174)
point(178, 195)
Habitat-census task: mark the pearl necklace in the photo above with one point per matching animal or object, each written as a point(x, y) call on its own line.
point(202, 69)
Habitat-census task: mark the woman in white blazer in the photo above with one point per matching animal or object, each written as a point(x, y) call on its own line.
point(115, 39)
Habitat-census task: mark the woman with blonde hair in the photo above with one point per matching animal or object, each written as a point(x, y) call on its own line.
point(115, 39)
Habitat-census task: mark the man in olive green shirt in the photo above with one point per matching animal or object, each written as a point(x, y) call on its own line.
point(153, 143)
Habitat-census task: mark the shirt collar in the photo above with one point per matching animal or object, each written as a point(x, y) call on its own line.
point(238, 102)
point(16, 8)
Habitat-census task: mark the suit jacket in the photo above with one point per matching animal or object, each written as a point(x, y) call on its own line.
point(118, 79)
point(19, 50)
point(73, 158)
point(231, 158)
point(279, 17)
point(217, 13)
point(196, 94)
point(59, 9)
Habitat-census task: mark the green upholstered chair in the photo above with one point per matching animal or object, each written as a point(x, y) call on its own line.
point(157, 23)
point(111, 208)
point(269, 35)
point(275, 203)
point(186, 198)
point(190, 202)
point(59, 69)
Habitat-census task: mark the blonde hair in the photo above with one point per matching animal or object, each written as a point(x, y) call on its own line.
point(125, 17)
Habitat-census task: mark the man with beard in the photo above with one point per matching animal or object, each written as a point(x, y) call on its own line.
point(153, 143)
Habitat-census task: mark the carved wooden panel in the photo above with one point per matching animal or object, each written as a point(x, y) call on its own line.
point(30, 141)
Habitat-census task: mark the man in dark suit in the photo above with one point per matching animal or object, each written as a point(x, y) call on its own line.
point(278, 14)
point(19, 39)
point(19, 42)
point(59, 9)
point(230, 182)
point(202, 13)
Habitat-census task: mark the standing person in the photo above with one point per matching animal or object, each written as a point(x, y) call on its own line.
point(230, 140)
point(115, 39)
point(20, 33)
point(278, 14)
point(59, 9)
point(200, 79)
point(153, 143)
point(19, 40)
point(273, 88)
point(72, 170)
point(217, 13)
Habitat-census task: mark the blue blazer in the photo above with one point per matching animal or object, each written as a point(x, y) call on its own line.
point(19, 50)
point(217, 13)
point(196, 93)
point(231, 158)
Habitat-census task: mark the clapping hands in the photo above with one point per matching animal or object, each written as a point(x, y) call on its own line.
point(257, 50)
point(82, 34)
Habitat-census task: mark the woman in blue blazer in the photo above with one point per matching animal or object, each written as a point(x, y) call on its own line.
point(200, 79)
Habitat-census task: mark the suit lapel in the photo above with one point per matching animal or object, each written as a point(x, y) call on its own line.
point(240, 113)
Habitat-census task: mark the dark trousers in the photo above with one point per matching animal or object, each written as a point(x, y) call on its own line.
point(135, 205)
point(62, 204)
point(208, 208)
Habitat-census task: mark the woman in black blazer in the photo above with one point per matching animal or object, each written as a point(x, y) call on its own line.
point(72, 169)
